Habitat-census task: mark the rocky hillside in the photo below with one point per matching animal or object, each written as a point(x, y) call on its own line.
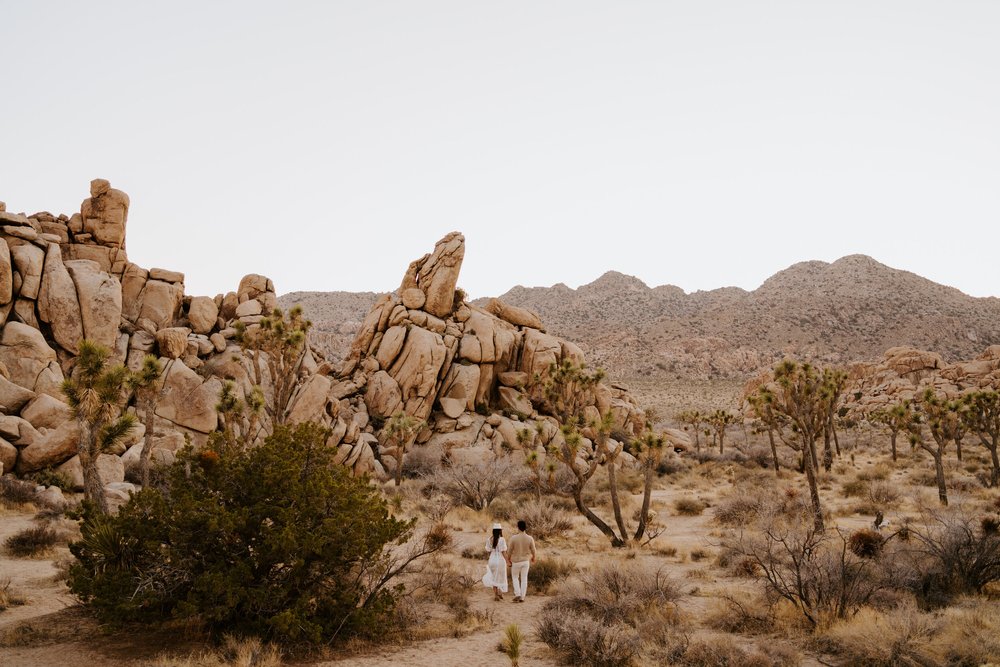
point(849, 310)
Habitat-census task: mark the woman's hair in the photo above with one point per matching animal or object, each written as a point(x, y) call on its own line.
point(496, 536)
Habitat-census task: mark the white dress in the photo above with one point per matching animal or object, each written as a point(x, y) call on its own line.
point(496, 567)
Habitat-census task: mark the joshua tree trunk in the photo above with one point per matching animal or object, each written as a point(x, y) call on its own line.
point(647, 491)
point(774, 449)
point(892, 442)
point(697, 441)
point(827, 449)
point(92, 488)
point(958, 448)
point(594, 519)
point(939, 473)
point(814, 495)
point(722, 439)
point(147, 445)
point(615, 503)
point(836, 438)
point(995, 476)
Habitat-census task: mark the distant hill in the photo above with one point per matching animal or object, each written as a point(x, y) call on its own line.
point(852, 309)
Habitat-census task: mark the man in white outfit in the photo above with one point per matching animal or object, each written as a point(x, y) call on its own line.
point(520, 554)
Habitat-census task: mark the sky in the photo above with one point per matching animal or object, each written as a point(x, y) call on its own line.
point(700, 144)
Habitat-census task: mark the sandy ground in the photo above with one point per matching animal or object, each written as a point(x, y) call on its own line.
point(685, 551)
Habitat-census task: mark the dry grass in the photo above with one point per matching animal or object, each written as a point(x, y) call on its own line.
point(10, 596)
point(234, 652)
point(688, 506)
point(32, 542)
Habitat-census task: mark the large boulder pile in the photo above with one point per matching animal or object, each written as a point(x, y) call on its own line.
point(470, 373)
point(906, 372)
point(65, 278)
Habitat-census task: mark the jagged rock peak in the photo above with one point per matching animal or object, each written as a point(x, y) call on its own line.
point(435, 275)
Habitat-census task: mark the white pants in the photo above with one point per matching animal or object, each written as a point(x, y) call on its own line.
point(519, 573)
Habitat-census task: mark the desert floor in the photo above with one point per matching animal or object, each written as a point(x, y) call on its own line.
point(50, 629)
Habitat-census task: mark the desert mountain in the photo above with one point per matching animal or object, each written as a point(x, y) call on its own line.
point(852, 309)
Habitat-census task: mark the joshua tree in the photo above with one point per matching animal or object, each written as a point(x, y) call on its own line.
point(399, 433)
point(240, 418)
point(835, 381)
point(146, 385)
point(277, 342)
point(982, 417)
point(692, 419)
point(649, 450)
point(762, 404)
point(718, 421)
point(567, 389)
point(943, 419)
point(896, 418)
point(800, 396)
point(96, 393)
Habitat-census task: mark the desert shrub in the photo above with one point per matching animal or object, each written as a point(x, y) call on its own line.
point(477, 485)
point(866, 543)
point(856, 488)
point(545, 572)
point(743, 613)
point(597, 622)
point(31, 541)
point(234, 652)
point(52, 477)
point(672, 465)
point(273, 541)
point(15, 492)
point(724, 651)
point(969, 633)
point(870, 638)
point(738, 509)
point(423, 461)
point(9, 596)
point(545, 518)
point(699, 555)
point(583, 640)
point(954, 552)
point(883, 494)
point(813, 570)
point(689, 506)
point(878, 472)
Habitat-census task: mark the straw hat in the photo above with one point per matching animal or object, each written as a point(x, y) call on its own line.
point(497, 526)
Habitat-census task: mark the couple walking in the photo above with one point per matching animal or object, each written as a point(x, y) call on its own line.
point(519, 556)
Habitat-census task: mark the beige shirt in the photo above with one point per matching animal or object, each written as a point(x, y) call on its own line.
point(521, 548)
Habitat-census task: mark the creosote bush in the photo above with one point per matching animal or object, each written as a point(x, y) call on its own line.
point(272, 540)
point(547, 571)
point(31, 541)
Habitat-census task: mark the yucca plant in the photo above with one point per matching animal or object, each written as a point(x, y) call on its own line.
point(513, 639)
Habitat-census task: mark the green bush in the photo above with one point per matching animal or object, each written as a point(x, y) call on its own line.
point(274, 541)
point(52, 477)
point(31, 541)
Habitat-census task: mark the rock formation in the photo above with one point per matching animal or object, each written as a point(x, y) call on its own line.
point(469, 372)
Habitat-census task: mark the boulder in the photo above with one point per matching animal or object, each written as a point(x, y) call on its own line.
point(133, 282)
point(516, 315)
point(249, 308)
point(6, 274)
point(54, 447)
point(252, 286)
point(8, 456)
point(413, 298)
point(382, 396)
point(26, 355)
point(44, 411)
point(186, 401)
point(13, 397)
point(516, 379)
point(110, 469)
point(105, 213)
point(436, 274)
point(166, 275)
point(514, 401)
point(58, 304)
point(100, 301)
point(539, 352)
point(389, 348)
point(452, 407)
point(28, 261)
point(172, 342)
point(203, 314)
point(161, 303)
point(417, 369)
point(310, 401)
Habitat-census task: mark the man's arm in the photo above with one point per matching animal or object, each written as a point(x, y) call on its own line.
point(532, 550)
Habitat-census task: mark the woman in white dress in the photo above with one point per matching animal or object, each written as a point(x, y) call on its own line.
point(496, 566)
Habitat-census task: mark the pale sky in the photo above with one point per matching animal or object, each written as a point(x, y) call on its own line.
point(700, 143)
